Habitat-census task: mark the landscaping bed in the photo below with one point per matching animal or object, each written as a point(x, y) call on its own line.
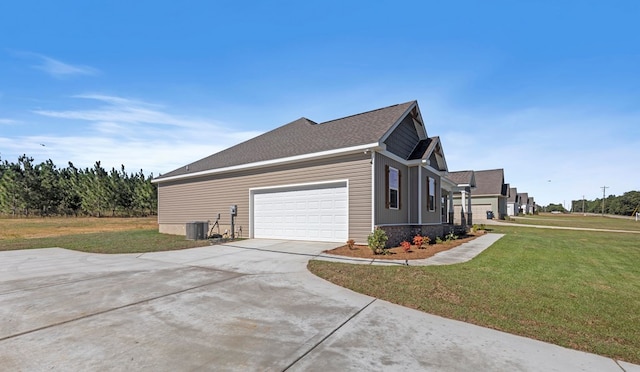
point(398, 253)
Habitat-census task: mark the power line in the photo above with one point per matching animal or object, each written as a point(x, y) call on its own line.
point(604, 189)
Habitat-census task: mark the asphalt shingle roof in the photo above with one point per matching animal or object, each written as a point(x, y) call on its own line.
point(490, 182)
point(461, 177)
point(513, 194)
point(303, 136)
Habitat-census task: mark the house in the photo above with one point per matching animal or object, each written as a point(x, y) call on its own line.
point(465, 182)
point(490, 194)
point(328, 181)
point(525, 203)
point(513, 203)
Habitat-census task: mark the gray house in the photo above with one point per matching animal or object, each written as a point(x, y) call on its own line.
point(513, 202)
point(328, 181)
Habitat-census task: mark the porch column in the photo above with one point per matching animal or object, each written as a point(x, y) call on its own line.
point(469, 213)
point(451, 209)
point(463, 207)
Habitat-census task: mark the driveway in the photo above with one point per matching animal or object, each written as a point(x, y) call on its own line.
point(248, 305)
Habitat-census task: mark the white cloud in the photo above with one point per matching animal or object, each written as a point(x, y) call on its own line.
point(576, 149)
point(135, 133)
point(4, 121)
point(59, 69)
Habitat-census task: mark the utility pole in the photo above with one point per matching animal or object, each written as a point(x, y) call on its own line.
point(583, 206)
point(604, 188)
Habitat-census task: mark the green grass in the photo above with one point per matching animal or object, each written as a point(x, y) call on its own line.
point(578, 220)
point(128, 241)
point(572, 288)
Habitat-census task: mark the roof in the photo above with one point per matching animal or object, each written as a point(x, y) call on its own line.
point(490, 182)
point(462, 177)
point(303, 136)
point(513, 194)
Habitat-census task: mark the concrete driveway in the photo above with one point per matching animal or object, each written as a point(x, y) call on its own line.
point(249, 305)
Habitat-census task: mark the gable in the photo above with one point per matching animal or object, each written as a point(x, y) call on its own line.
point(403, 139)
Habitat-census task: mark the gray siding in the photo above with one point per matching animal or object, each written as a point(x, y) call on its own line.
point(202, 198)
point(413, 198)
point(385, 215)
point(403, 139)
point(430, 217)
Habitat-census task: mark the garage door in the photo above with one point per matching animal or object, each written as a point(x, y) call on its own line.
point(480, 211)
point(312, 212)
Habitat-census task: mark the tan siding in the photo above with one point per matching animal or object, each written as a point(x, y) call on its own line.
point(385, 215)
point(202, 198)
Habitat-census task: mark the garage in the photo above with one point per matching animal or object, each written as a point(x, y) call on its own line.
point(317, 212)
point(480, 211)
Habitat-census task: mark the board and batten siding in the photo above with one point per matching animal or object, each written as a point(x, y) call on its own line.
point(403, 139)
point(384, 215)
point(202, 198)
point(435, 216)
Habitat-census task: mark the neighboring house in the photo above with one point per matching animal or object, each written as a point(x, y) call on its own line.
point(525, 207)
point(328, 181)
point(513, 203)
point(465, 182)
point(490, 194)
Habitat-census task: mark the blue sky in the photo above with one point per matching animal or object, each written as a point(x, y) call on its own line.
point(547, 90)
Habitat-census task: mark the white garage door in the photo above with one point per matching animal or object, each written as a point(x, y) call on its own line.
point(316, 212)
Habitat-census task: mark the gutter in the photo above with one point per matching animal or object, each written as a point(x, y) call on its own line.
point(292, 159)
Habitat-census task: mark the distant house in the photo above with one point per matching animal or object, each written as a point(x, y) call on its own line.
point(490, 194)
point(465, 182)
point(513, 202)
point(328, 181)
point(527, 203)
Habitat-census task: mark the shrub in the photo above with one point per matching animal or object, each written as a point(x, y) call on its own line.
point(450, 236)
point(377, 241)
point(418, 240)
point(351, 243)
point(406, 246)
point(439, 240)
point(421, 241)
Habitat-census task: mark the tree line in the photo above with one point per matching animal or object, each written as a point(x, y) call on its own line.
point(28, 189)
point(623, 205)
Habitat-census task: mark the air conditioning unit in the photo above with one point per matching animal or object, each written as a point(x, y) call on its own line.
point(197, 230)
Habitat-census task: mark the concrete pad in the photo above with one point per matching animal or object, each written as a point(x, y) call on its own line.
point(389, 337)
point(249, 305)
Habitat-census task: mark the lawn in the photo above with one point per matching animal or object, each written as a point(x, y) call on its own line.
point(578, 220)
point(96, 235)
point(572, 288)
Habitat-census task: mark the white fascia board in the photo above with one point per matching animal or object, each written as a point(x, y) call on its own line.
point(292, 159)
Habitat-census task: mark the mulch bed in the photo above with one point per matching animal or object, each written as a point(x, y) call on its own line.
point(397, 253)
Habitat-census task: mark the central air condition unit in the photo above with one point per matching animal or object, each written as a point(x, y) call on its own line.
point(197, 230)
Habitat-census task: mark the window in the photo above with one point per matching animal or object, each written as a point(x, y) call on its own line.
point(393, 188)
point(431, 192)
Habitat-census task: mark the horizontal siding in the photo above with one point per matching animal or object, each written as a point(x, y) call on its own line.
point(202, 198)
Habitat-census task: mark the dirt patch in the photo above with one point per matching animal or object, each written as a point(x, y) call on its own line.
point(397, 253)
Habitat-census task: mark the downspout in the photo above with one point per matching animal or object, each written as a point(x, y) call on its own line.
point(373, 190)
point(420, 195)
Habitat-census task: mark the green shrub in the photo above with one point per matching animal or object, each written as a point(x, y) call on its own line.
point(377, 241)
point(450, 236)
